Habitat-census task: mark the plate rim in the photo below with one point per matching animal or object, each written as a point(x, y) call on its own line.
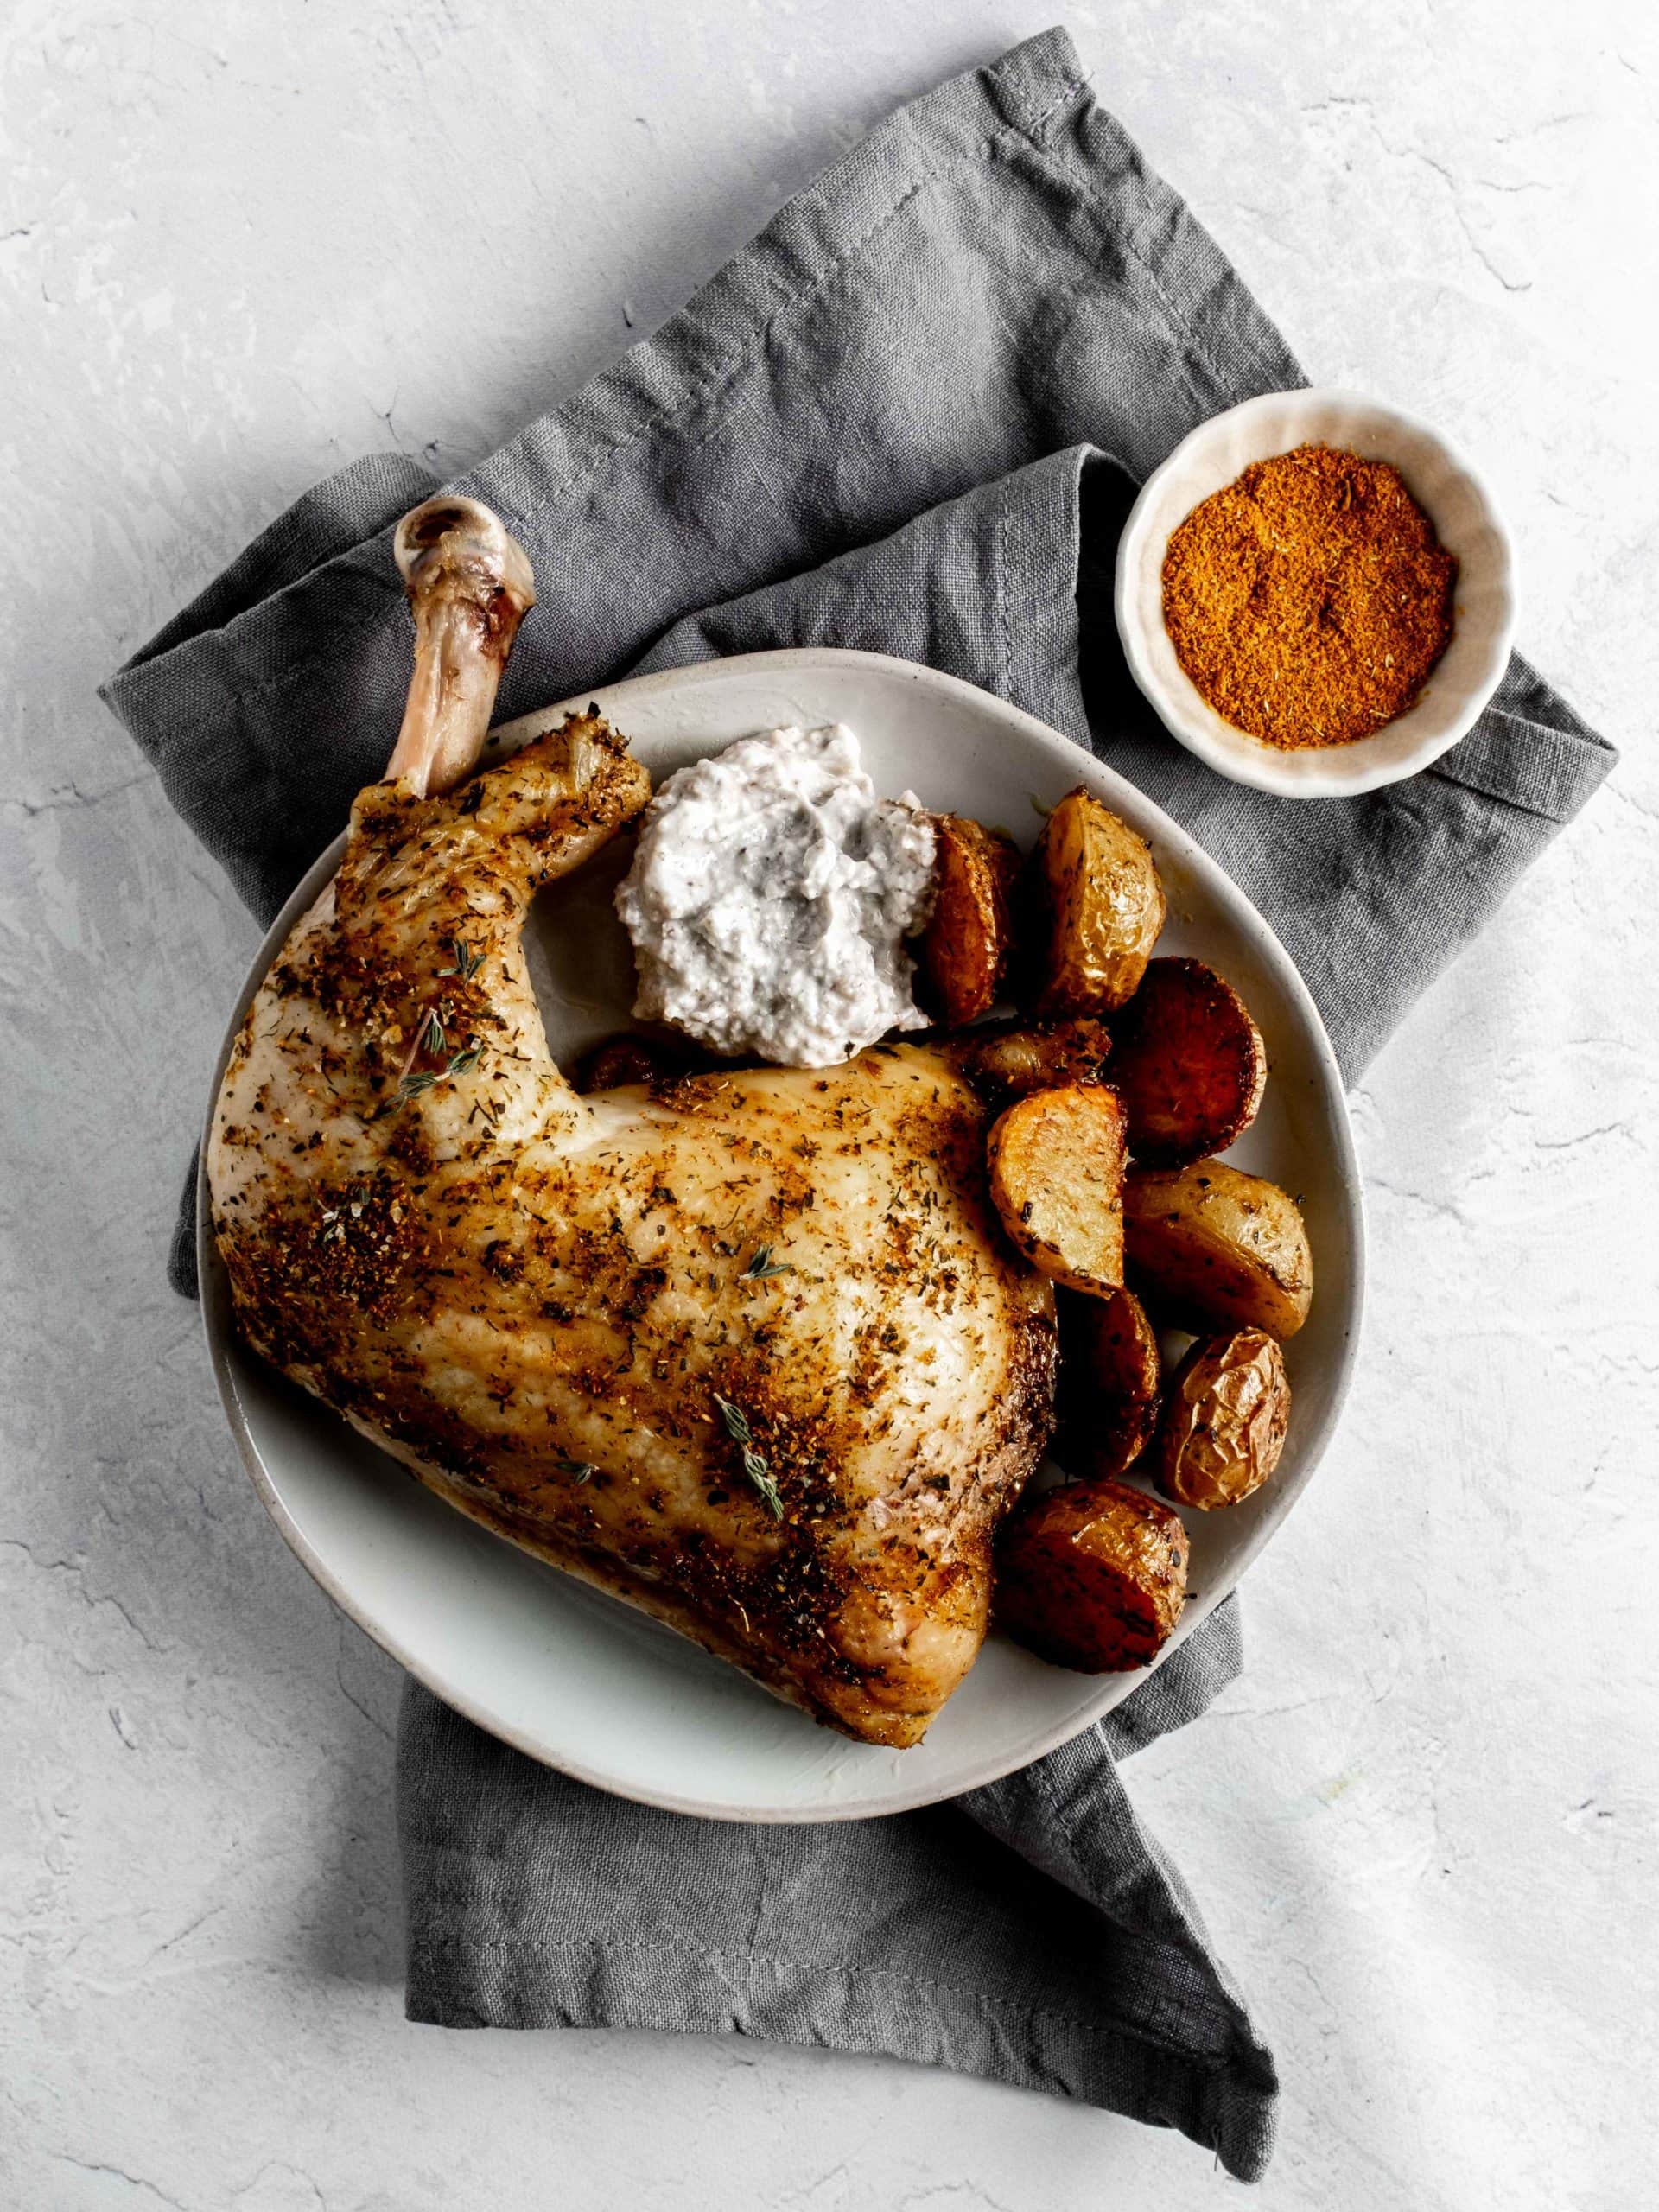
point(1115, 1689)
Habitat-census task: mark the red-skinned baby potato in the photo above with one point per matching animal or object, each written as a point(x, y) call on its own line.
point(1093, 906)
point(963, 957)
point(1188, 1063)
point(1210, 1249)
point(1092, 1576)
point(1223, 1420)
point(1111, 1379)
point(1006, 1060)
point(1055, 1163)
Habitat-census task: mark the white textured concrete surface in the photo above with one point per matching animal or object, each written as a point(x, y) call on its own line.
point(239, 245)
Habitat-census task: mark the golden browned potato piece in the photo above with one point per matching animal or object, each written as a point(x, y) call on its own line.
point(1210, 1248)
point(1111, 1374)
point(1098, 907)
point(1188, 1063)
point(1225, 1420)
point(1056, 1161)
point(1011, 1062)
point(963, 955)
point(1092, 1575)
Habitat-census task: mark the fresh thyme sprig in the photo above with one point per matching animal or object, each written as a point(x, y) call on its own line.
point(467, 961)
point(760, 1475)
point(736, 1420)
point(737, 1427)
point(414, 1081)
point(762, 1267)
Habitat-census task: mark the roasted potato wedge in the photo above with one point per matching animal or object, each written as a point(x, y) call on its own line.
point(1224, 1421)
point(1111, 1375)
point(1092, 1575)
point(1188, 1063)
point(963, 957)
point(1055, 1162)
point(1209, 1247)
point(1011, 1062)
point(1097, 907)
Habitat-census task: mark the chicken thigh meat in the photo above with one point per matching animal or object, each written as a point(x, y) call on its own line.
point(747, 1349)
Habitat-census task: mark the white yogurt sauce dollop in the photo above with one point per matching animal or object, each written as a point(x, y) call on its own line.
point(770, 897)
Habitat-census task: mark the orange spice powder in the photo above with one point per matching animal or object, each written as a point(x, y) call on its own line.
point(1309, 598)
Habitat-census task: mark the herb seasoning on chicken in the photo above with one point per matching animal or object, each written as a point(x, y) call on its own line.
point(747, 1349)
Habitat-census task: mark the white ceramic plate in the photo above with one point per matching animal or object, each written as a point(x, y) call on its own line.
point(579, 1679)
point(1457, 500)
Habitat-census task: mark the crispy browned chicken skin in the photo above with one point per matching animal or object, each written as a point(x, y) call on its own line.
point(747, 1349)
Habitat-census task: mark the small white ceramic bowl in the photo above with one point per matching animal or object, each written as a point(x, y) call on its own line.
point(1465, 516)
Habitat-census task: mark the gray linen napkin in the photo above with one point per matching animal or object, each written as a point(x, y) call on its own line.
point(908, 417)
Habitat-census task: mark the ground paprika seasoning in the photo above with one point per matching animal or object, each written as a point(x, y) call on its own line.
point(1309, 598)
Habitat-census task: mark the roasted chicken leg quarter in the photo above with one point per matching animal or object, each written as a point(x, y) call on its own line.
point(747, 1349)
